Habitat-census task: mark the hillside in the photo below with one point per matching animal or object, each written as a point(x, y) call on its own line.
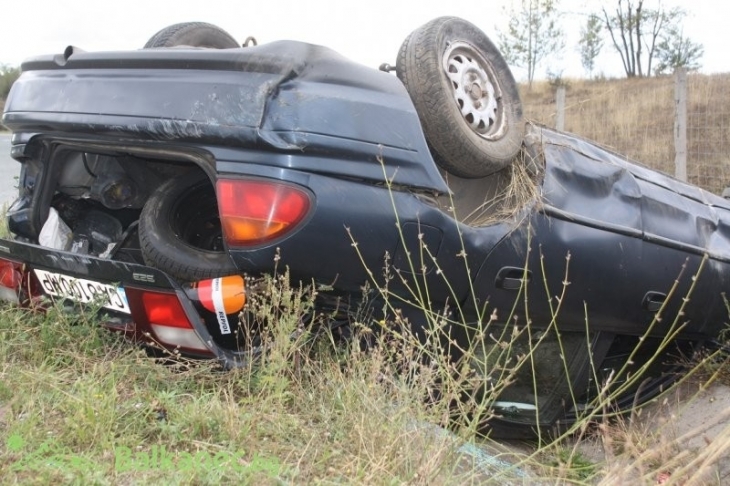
point(635, 117)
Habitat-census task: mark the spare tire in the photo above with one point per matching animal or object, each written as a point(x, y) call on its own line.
point(180, 230)
point(465, 96)
point(193, 34)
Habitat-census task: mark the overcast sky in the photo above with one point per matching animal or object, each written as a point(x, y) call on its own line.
point(367, 31)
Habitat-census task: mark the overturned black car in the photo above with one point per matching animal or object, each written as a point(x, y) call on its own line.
point(153, 180)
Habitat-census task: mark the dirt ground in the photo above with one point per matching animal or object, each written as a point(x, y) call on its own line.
point(691, 419)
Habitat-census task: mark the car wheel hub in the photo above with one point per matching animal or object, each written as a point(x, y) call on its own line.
point(476, 96)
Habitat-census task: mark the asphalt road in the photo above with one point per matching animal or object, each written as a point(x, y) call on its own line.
point(9, 170)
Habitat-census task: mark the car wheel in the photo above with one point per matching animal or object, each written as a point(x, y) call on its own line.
point(465, 96)
point(180, 230)
point(193, 34)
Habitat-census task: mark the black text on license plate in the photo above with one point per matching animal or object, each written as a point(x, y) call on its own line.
point(82, 290)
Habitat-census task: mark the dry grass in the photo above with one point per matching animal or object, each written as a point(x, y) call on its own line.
point(74, 398)
point(79, 406)
point(313, 414)
point(498, 197)
point(635, 117)
point(682, 437)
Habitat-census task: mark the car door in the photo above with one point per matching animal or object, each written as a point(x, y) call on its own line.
point(639, 242)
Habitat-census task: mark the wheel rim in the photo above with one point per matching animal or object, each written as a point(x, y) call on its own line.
point(475, 90)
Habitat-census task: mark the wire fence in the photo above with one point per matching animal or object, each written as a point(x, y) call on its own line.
point(643, 120)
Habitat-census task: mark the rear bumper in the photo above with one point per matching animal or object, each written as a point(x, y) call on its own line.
point(186, 328)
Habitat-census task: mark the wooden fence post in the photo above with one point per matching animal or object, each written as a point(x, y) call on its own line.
point(560, 109)
point(680, 124)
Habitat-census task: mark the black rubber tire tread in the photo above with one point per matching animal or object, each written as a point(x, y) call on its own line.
point(400, 63)
point(162, 247)
point(193, 34)
point(455, 146)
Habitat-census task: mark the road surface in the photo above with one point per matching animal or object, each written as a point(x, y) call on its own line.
point(9, 170)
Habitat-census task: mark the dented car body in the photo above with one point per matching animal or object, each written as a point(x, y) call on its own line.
point(305, 160)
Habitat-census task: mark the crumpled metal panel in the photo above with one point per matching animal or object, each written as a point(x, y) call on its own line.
point(636, 239)
point(285, 96)
point(590, 184)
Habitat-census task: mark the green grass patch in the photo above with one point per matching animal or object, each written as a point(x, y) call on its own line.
point(80, 405)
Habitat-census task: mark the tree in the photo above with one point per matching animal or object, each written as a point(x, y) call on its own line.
point(677, 51)
point(8, 75)
point(591, 42)
point(633, 27)
point(532, 34)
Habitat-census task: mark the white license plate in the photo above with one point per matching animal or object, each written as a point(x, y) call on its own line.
point(82, 290)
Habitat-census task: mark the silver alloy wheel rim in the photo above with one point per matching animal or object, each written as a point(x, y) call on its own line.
point(476, 92)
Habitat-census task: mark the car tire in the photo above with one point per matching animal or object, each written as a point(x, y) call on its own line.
point(180, 231)
point(464, 94)
point(192, 34)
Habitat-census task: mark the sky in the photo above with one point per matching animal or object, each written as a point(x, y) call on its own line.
point(367, 31)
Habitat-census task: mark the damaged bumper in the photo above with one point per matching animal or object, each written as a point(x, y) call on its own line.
point(141, 302)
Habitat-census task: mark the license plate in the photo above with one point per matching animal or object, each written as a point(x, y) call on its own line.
point(82, 290)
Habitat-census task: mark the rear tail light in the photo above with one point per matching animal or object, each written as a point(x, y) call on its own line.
point(165, 310)
point(167, 319)
point(11, 280)
point(257, 211)
point(173, 336)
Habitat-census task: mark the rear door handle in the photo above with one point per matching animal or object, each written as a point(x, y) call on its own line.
point(653, 301)
point(512, 278)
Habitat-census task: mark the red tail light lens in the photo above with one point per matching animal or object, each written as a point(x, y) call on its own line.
point(11, 279)
point(166, 318)
point(165, 309)
point(255, 211)
point(10, 274)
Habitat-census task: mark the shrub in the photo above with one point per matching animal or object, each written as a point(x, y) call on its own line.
point(8, 75)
